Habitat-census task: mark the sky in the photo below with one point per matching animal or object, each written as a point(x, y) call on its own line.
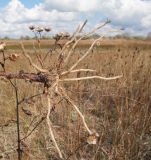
point(65, 15)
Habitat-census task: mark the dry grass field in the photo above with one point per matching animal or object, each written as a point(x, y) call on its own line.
point(15, 44)
point(119, 110)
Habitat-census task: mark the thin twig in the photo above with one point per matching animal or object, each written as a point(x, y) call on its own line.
point(18, 121)
point(85, 35)
point(91, 77)
point(77, 109)
point(49, 95)
point(78, 70)
point(76, 150)
point(40, 121)
point(31, 62)
point(28, 98)
point(79, 29)
point(86, 54)
point(50, 127)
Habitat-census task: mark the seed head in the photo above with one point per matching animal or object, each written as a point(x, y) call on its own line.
point(13, 57)
point(63, 34)
point(66, 34)
point(31, 27)
point(2, 46)
point(92, 139)
point(39, 29)
point(60, 34)
point(47, 29)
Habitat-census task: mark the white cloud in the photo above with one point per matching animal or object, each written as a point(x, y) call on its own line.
point(146, 21)
point(15, 18)
point(134, 15)
point(126, 13)
point(72, 5)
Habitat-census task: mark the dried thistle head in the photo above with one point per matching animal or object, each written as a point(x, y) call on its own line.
point(66, 34)
point(61, 35)
point(92, 139)
point(31, 27)
point(57, 36)
point(2, 46)
point(47, 29)
point(13, 57)
point(39, 29)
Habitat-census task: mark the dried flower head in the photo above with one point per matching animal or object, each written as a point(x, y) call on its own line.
point(92, 139)
point(2, 46)
point(66, 34)
point(31, 27)
point(62, 35)
point(58, 35)
point(13, 57)
point(47, 29)
point(39, 29)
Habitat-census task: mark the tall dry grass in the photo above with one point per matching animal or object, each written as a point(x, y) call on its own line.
point(120, 111)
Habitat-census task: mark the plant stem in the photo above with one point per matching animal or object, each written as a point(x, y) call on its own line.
point(18, 121)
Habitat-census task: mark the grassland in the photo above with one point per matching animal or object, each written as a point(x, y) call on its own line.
point(119, 110)
point(15, 44)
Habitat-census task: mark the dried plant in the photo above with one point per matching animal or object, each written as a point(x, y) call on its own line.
point(53, 79)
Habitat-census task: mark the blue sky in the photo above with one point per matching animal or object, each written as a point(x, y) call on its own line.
point(17, 15)
point(30, 3)
point(27, 3)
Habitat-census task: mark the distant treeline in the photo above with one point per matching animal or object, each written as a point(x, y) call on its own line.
point(119, 36)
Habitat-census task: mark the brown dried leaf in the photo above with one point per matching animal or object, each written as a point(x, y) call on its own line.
point(13, 57)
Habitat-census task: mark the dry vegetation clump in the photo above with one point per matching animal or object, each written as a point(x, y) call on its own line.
point(114, 115)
